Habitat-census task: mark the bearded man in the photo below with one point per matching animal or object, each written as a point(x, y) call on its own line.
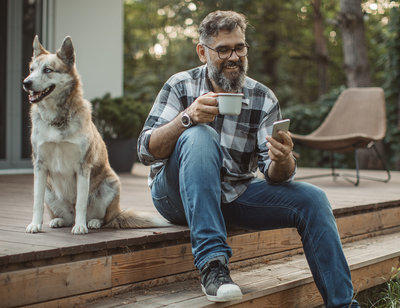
point(204, 163)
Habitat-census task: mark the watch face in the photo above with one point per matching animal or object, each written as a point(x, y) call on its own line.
point(185, 120)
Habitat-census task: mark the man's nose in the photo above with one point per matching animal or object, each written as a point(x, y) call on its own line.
point(234, 57)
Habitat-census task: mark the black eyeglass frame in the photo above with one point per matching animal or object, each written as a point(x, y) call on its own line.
point(232, 50)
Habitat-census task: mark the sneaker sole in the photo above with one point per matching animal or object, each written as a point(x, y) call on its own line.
point(214, 298)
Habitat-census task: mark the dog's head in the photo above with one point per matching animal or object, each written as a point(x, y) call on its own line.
point(49, 73)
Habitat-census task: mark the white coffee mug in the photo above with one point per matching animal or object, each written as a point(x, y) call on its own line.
point(230, 103)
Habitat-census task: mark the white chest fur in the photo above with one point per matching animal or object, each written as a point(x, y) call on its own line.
point(62, 161)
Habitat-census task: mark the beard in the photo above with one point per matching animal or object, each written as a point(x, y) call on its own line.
point(233, 81)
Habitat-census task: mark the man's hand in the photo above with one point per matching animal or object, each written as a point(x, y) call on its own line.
point(163, 139)
point(283, 164)
point(204, 108)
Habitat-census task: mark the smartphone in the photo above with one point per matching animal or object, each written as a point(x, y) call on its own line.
point(282, 125)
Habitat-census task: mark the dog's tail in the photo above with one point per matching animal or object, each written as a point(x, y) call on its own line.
point(131, 219)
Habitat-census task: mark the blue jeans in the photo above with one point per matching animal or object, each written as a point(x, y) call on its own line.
point(188, 191)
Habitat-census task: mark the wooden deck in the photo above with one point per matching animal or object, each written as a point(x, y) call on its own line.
point(56, 268)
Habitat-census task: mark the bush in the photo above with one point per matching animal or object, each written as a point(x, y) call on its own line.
point(119, 118)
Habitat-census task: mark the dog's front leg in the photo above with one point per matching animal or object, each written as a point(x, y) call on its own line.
point(83, 179)
point(40, 180)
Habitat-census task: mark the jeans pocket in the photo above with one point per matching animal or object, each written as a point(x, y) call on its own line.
point(169, 211)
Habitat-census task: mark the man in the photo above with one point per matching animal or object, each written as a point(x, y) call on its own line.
point(203, 162)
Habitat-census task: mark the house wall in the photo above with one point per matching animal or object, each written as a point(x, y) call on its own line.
point(96, 29)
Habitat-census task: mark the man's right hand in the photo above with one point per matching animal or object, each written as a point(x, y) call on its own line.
point(204, 108)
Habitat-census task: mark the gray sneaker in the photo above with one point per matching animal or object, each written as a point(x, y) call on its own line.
point(216, 282)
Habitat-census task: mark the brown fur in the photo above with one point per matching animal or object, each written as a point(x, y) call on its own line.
point(73, 176)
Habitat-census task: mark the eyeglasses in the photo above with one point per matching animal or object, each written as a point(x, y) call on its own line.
point(226, 53)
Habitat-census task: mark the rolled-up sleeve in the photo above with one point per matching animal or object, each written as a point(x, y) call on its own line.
point(166, 107)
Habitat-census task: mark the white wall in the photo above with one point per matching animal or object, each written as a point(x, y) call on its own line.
point(96, 29)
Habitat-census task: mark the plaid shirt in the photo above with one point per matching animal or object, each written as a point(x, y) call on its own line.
point(242, 137)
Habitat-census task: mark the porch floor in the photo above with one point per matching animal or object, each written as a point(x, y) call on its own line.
point(40, 268)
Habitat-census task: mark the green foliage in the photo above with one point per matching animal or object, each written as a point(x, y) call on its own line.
point(121, 117)
point(281, 56)
point(281, 39)
point(391, 85)
point(385, 296)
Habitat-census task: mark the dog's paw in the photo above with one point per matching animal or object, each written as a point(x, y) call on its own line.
point(34, 228)
point(94, 224)
point(56, 223)
point(79, 229)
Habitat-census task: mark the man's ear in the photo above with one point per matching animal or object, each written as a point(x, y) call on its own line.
point(201, 52)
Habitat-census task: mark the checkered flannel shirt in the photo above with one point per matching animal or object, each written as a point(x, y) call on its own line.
point(242, 137)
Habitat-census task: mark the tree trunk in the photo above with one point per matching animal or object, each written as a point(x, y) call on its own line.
point(321, 50)
point(356, 63)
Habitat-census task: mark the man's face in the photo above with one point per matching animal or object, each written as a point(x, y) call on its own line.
point(228, 74)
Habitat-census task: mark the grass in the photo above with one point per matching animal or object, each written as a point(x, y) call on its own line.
point(386, 295)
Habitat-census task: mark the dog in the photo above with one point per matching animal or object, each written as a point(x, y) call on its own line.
point(72, 175)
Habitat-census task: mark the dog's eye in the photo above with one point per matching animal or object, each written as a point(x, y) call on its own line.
point(47, 70)
point(31, 69)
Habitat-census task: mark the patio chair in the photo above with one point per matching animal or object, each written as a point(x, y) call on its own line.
point(357, 120)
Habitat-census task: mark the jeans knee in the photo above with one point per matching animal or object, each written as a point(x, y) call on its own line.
point(314, 200)
point(200, 140)
point(203, 133)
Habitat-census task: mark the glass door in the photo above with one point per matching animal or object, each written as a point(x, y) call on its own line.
point(20, 21)
point(3, 59)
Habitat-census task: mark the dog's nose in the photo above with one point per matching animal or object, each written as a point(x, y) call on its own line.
point(27, 84)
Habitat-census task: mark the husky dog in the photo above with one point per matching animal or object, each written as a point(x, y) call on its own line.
point(72, 175)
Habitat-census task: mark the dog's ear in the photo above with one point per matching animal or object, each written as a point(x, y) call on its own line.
point(66, 52)
point(38, 49)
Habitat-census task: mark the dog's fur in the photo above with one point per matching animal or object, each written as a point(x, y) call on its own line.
point(72, 175)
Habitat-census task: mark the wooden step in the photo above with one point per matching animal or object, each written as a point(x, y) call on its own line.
point(55, 268)
point(284, 282)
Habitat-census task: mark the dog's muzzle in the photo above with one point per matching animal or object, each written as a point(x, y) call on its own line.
point(36, 96)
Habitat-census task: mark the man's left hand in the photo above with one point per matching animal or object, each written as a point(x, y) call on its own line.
point(280, 152)
point(283, 164)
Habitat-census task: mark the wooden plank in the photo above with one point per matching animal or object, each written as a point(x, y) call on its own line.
point(262, 243)
point(73, 301)
point(17, 253)
point(282, 283)
point(50, 282)
point(173, 260)
point(149, 264)
point(368, 222)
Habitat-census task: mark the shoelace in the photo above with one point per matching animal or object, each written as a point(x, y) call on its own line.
point(217, 273)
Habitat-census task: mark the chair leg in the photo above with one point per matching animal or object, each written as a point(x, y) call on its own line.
point(344, 175)
point(332, 174)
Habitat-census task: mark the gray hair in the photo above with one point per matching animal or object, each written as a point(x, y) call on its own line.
point(220, 20)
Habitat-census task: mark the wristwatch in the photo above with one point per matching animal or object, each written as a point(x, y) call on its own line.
point(186, 120)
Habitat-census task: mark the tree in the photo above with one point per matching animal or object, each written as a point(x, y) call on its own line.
point(321, 50)
point(391, 85)
point(351, 23)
